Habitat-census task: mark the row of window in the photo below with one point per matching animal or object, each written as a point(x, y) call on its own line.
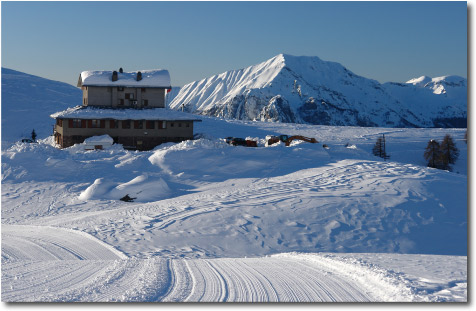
point(132, 102)
point(119, 88)
point(124, 124)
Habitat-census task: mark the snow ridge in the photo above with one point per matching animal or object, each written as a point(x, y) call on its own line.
point(302, 89)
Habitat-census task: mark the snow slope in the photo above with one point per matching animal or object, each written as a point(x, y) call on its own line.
point(343, 206)
point(28, 101)
point(303, 89)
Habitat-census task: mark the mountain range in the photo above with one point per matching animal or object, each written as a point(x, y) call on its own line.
point(303, 89)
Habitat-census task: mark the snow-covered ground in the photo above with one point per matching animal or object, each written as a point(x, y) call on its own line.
point(213, 222)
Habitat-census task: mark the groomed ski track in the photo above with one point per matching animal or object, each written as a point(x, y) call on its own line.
point(72, 266)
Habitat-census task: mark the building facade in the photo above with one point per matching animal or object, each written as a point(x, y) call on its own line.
point(128, 106)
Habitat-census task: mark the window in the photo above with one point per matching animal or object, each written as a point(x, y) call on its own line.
point(120, 89)
point(143, 90)
point(76, 123)
point(126, 124)
point(145, 102)
point(138, 124)
point(172, 124)
point(59, 122)
point(94, 123)
point(187, 124)
point(129, 95)
point(120, 102)
point(162, 124)
point(113, 124)
point(180, 125)
point(150, 125)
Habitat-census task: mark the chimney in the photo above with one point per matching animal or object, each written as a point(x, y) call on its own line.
point(114, 76)
point(120, 70)
point(139, 76)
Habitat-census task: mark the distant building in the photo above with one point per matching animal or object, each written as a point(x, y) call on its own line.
point(128, 106)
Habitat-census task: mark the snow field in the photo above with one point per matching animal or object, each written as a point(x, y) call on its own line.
point(349, 206)
point(222, 204)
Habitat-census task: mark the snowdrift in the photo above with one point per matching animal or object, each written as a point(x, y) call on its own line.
point(140, 189)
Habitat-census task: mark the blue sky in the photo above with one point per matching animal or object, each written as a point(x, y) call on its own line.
point(386, 41)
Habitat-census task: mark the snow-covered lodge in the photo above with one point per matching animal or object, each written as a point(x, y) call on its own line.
point(128, 106)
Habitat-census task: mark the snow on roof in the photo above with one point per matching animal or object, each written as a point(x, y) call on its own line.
point(81, 112)
point(150, 78)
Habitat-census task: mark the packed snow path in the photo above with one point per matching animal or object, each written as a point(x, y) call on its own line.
point(53, 264)
point(48, 243)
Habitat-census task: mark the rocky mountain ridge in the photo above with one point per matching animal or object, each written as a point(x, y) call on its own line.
point(302, 89)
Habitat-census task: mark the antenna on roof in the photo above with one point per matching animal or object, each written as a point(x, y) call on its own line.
point(139, 76)
point(120, 70)
point(114, 76)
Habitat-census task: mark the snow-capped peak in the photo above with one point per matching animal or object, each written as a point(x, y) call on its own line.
point(421, 81)
point(306, 89)
point(438, 85)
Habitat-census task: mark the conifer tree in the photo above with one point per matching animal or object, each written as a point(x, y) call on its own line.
point(379, 148)
point(433, 154)
point(449, 152)
point(33, 135)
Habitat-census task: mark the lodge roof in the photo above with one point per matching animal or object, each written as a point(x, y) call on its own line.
point(159, 78)
point(96, 113)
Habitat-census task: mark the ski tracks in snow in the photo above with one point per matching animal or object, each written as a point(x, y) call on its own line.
point(69, 266)
point(267, 279)
point(22, 242)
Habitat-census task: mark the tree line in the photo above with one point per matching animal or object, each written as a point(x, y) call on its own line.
point(442, 155)
point(437, 155)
